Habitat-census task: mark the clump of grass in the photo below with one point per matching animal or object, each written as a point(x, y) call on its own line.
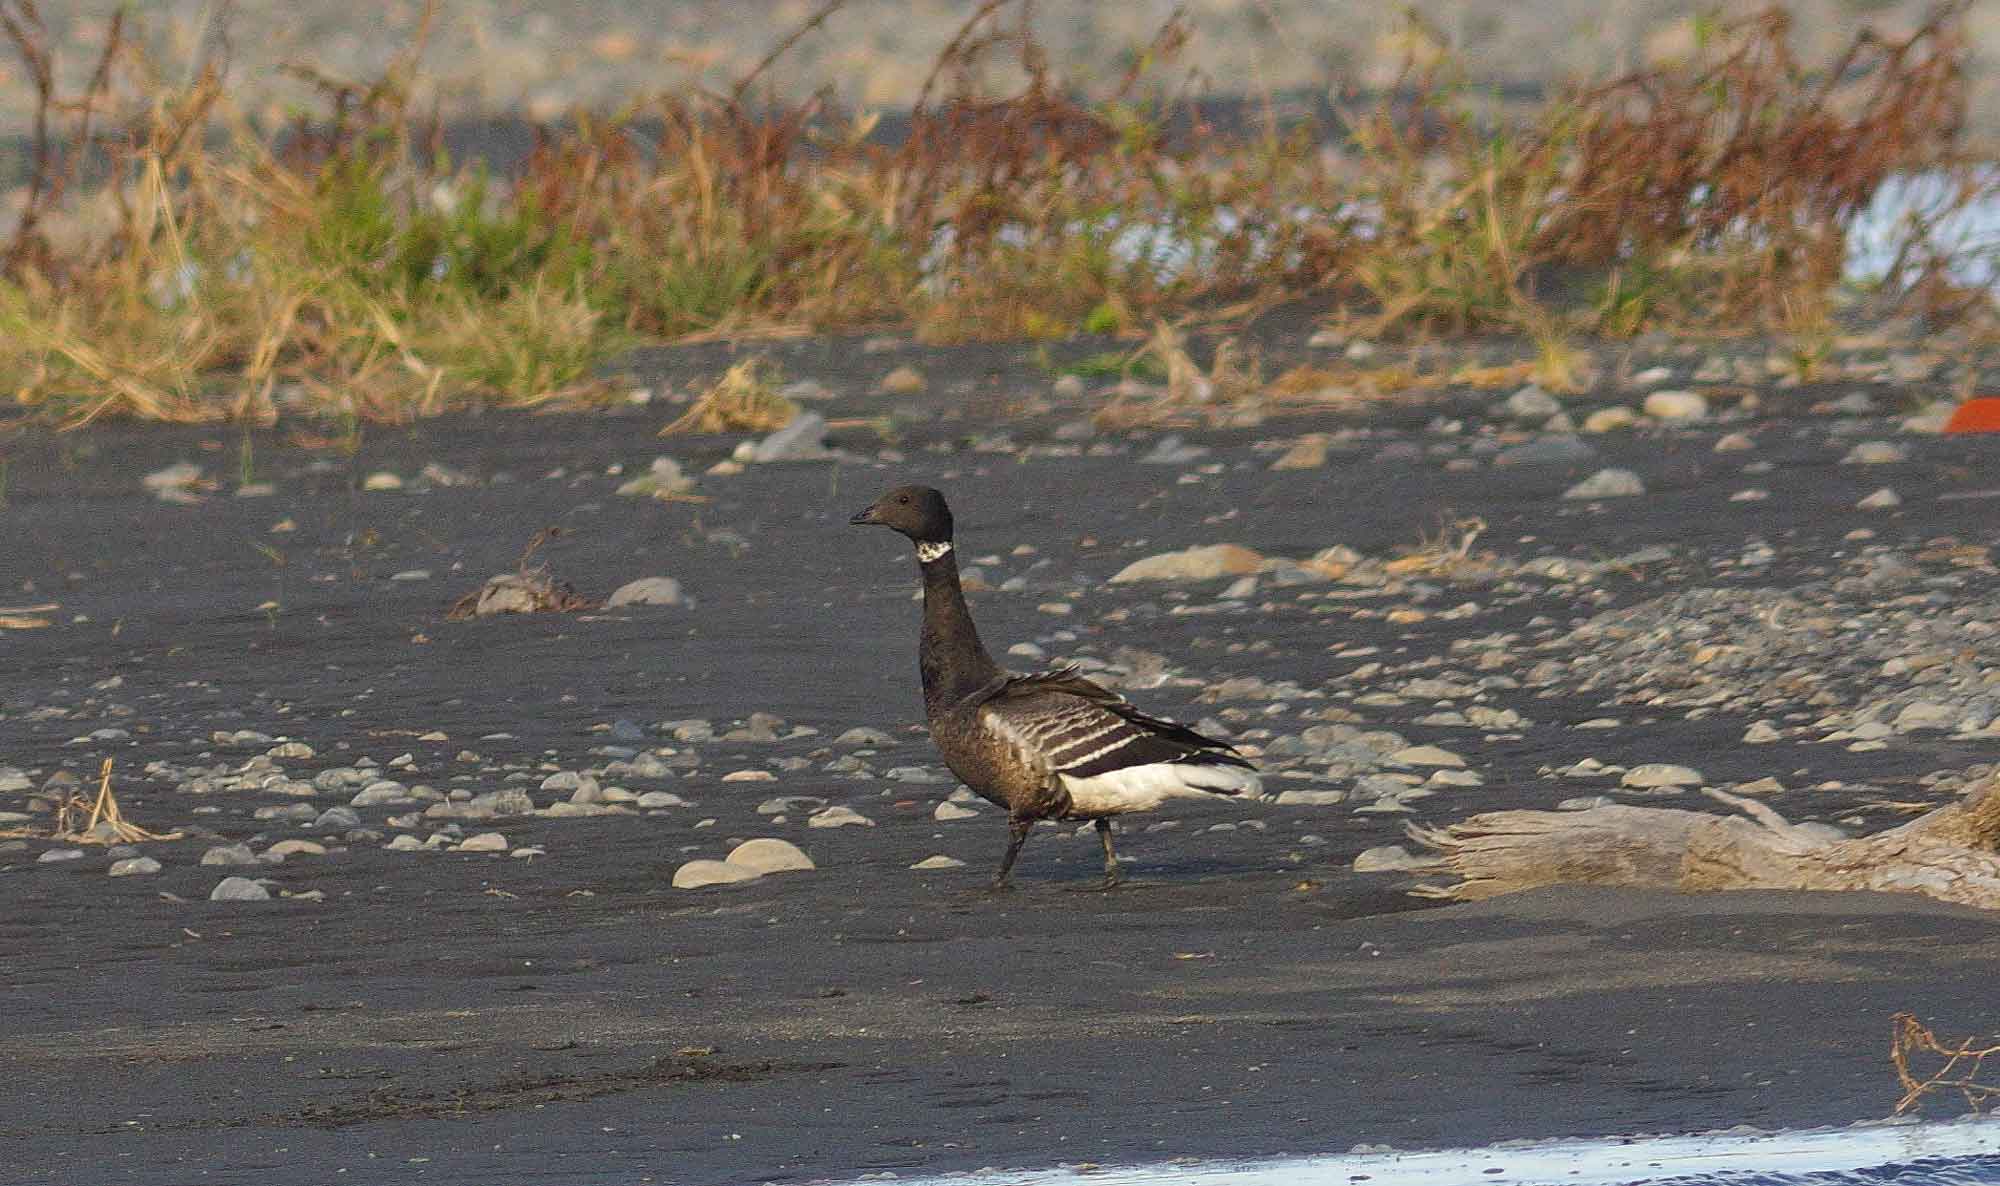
point(175, 261)
point(742, 400)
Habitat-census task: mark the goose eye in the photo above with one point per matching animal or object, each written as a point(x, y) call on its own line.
point(905, 499)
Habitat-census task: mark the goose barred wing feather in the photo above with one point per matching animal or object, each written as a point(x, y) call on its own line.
point(1080, 729)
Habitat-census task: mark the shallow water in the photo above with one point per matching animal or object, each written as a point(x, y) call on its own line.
point(1960, 1153)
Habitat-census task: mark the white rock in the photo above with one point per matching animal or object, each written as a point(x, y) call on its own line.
point(769, 855)
point(1661, 774)
point(1607, 483)
point(382, 480)
point(1881, 500)
point(1876, 453)
point(696, 874)
point(948, 811)
point(749, 776)
point(1426, 755)
point(1194, 564)
point(838, 817)
point(134, 867)
point(484, 842)
point(287, 848)
point(1761, 733)
point(238, 889)
point(1677, 405)
point(939, 861)
point(647, 591)
point(1735, 442)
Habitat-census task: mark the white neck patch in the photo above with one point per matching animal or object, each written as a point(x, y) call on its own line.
point(928, 552)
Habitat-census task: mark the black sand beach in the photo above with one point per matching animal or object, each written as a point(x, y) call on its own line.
point(567, 1016)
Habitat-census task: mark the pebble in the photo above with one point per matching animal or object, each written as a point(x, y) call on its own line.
point(54, 855)
point(134, 867)
point(647, 591)
point(230, 854)
point(803, 439)
point(1735, 442)
point(1390, 858)
point(1426, 755)
point(1532, 403)
point(483, 842)
point(904, 380)
point(864, 736)
point(1609, 420)
point(1876, 453)
point(1607, 483)
point(1677, 405)
point(769, 855)
point(380, 480)
point(948, 811)
point(238, 889)
point(288, 848)
point(1761, 733)
point(1882, 500)
point(940, 861)
point(1661, 774)
point(698, 874)
point(838, 817)
point(1316, 797)
point(1556, 449)
point(1208, 563)
point(749, 776)
point(1171, 450)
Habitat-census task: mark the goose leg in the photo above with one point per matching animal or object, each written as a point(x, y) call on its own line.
point(1111, 875)
point(1017, 835)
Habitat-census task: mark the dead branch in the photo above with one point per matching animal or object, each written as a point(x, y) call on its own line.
point(1951, 854)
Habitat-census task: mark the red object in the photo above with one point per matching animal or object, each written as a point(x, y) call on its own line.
point(1976, 415)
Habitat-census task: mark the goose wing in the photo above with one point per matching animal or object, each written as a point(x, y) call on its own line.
point(1080, 729)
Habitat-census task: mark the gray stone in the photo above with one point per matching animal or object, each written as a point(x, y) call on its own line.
point(134, 867)
point(1560, 449)
point(804, 439)
point(230, 854)
point(338, 818)
point(1532, 403)
point(1607, 483)
point(238, 889)
point(55, 855)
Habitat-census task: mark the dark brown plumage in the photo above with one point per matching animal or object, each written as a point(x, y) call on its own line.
point(1052, 745)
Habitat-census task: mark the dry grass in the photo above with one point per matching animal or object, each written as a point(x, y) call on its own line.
point(743, 400)
point(96, 820)
point(173, 260)
point(1954, 1069)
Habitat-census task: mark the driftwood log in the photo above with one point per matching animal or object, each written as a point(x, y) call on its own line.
point(1951, 853)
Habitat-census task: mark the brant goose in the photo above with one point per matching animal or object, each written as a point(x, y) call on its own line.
point(1047, 746)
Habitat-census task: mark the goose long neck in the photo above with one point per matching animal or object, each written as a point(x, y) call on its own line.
point(953, 661)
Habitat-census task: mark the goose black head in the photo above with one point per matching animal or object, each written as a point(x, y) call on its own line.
point(918, 512)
